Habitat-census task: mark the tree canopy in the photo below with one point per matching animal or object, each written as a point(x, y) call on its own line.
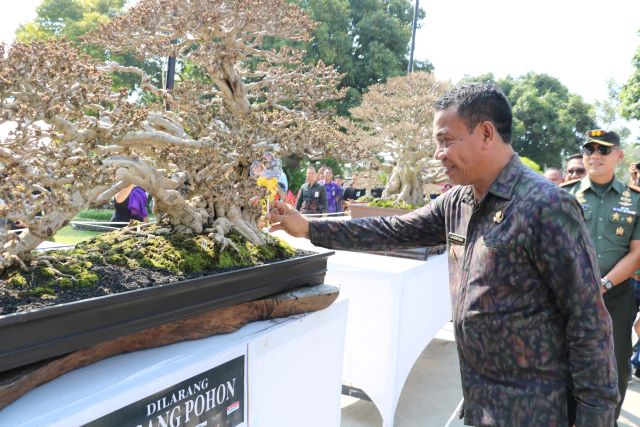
point(548, 120)
point(367, 40)
point(630, 93)
point(68, 18)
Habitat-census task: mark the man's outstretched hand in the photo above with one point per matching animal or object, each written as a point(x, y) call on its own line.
point(284, 217)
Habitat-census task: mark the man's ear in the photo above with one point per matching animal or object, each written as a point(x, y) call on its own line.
point(620, 156)
point(488, 133)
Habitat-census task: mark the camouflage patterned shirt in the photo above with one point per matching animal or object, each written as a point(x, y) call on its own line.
point(524, 281)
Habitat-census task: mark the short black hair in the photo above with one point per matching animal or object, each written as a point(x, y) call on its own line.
point(479, 102)
point(574, 156)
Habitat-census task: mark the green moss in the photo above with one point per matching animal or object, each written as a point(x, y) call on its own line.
point(393, 204)
point(117, 259)
point(17, 280)
point(181, 254)
point(227, 260)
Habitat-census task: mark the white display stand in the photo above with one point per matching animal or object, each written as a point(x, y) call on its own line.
point(294, 368)
point(396, 307)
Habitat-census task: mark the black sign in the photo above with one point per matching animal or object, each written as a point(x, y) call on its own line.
point(215, 398)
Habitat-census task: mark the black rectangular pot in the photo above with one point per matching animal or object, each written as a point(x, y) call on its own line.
point(52, 331)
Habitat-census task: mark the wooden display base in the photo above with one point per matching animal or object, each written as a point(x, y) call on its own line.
point(17, 382)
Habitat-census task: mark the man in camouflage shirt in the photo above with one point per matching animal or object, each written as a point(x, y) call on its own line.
point(611, 211)
point(533, 335)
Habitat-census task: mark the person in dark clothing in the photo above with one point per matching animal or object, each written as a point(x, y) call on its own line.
point(533, 334)
point(353, 191)
point(130, 203)
point(611, 211)
point(312, 197)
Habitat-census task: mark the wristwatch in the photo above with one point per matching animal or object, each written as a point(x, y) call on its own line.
point(606, 283)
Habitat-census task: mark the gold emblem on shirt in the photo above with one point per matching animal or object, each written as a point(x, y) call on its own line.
point(619, 231)
point(630, 220)
point(580, 197)
point(498, 217)
point(626, 193)
point(616, 216)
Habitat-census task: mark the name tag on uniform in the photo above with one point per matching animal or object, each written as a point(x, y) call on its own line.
point(585, 207)
point(625, 211)
point(456, 238)
point(317, 194)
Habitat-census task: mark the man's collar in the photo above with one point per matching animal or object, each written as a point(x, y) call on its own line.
point(585, 184)
point(505, 184)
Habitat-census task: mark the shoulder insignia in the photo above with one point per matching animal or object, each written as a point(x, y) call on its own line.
point(573, 181)
point(634, 188)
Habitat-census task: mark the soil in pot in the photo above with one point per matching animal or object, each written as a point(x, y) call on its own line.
point(128, 259)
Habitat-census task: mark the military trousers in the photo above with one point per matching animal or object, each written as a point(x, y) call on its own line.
point(620, 303)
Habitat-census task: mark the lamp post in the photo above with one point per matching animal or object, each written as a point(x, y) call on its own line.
point(413, 37)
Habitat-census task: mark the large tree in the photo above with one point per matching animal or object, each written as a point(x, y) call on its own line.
point(396, 118)
point(367, 40)
point(68, 18)
point(630, 93)
point(548, 120)
point(77, 142)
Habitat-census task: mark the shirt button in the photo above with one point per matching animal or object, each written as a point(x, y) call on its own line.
point(599, 256)
point(599, 237)
point(599, 219)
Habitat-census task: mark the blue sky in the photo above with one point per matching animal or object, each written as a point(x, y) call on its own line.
point(583, 43)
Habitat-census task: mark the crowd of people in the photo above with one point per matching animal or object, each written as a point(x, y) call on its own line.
point(539, 275)
point(323, 193)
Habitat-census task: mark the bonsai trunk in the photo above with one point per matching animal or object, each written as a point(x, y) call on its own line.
point(405, 183)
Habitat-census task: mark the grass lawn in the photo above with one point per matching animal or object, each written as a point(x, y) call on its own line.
point(69, 236)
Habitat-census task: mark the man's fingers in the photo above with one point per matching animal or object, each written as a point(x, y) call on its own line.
point(276, 227)
point(274, 216)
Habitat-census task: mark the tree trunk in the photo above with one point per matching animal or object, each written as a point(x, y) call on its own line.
point(404, 185)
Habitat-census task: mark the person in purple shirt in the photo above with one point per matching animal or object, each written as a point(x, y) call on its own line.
point(129, 204)
point(334, 192)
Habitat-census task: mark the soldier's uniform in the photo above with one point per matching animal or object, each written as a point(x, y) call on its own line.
point(611, 215)
point(312, 199)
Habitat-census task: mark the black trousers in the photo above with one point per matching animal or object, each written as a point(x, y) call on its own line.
point(620, 302)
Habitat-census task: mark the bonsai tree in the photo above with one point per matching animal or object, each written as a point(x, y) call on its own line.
point(75, 141)
point(396, 118)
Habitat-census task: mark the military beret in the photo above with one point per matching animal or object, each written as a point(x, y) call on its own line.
point(602, 137)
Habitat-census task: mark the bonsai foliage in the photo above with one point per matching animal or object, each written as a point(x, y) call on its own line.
point(397, 118)
point(76, 142)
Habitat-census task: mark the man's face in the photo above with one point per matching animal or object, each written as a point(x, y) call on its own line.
point(601, 167)
point(328, 176)
point(457, 147)
point(575, 170)
point(554, 176)
point(311, 176)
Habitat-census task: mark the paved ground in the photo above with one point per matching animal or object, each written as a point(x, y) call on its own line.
point(433, 391)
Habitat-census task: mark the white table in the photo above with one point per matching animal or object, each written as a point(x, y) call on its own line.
point(293, 375)
point(396, 307)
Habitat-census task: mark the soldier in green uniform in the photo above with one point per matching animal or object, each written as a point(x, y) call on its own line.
point(312, 197)
point(611, 210)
